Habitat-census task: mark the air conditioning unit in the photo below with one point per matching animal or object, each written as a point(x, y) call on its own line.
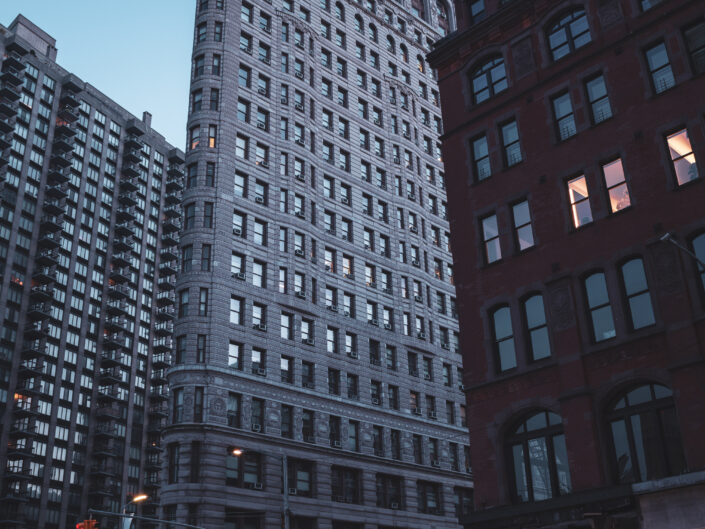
point(265, 60)
point(337, 444)
point(264, 164)
point(299, 106)
point(375, 361)
point(346, 313)
point(373, 321)
point(344, 236)
point(330, 231)
point(345, 200)
point(292, 492)
point(414, 372)
point(375, 402)
point(327, 267)
point(256, 427)
point(388, 326)
point(462, 387)
point(299, 75)
point(260, 326)
point(309, 341)
point(300, 294)
point(262, 90)
point(413, 229)
point(383, 253)
point(377, 121)
point(300, 141)
point(239, 275)
point(411, 196)
point(418, 298)
point(416, 411)
point(237, 231)
point(407, 135)
point(394, 505)
point(284, 100)
point(372, 284)
point(258, 486)
point(300, 214)
point(353, 354)
point(435, 463)
point(426, 376)
point(308, 385)
point(397, 160)
point(261, 125)
point(445, 345)
point(367, 246)
point(415, 262)
point(349, 275)
point(247, 49)
point(432, 415)
point(421, 335)
point(332, 308)
point(393, 100)
point(405, 106)
point(262, 371)
point(259, 200)
point(298, 252)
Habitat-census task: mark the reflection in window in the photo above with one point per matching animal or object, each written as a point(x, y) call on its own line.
point(522, 225)
point(579, 201)
point(504, 339)
point(695, 39)
point(490, 236)
point(646, 439)
point(616, 185)
point(510, 142)
point(599, 100)
point(563, 113)
point(637, 292)
point(568, 33)
point(539, 459)
point(682, 157)
point(699, 250)
point(599, 307)
point(481, 158)
point(536, 328)
point(660, 68)
point(488, 79)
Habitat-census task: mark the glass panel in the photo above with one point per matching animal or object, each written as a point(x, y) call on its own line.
point(536, 422)
point(638, 445)
point(661, 392)
point(614, 173)
point(540, 345)
point(489, 228)
point(554, 418)
point(685, 169)
point(622, 454)
point(619, 197)
point(562, 106)
point(502, 323)
point(603, 324)
point(521, 214)
point(639, 395)
point(535, 315)
point(634, 277)
point(657, 57)
point(596, 289)
point(520, 473)
point(525, 237)
point(507, 356)
point(641, 310)
point(562, 470)
point(540, 473)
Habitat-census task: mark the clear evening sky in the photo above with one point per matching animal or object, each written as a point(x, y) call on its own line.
point(137, 52)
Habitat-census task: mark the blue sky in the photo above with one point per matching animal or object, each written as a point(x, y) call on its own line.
point(136, 52)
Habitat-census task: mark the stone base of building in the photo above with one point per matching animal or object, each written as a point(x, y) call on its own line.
point(672, 503)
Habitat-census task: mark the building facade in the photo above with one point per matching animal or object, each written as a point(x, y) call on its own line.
point(316, 366)
point(575, 149)
point(89, 220)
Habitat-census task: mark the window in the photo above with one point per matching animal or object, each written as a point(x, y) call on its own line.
point(236, 310)
point(173, 458)
point(660, 68)
point(563, 114)
point(510, 143)
point(636, 290)
point(300, 476)
point(389, 491)
point(244, 470)
point(699, 251)
point(599, 307)
point(429, 497)
point(287, 421)
point(490, 237)
point(522, 225)
point(646, 440)
point(203, 302)
point(345, 484)
point(489, 79)
point(536, 328)
point(504, 339)
point(682, 157)
point(568, 33)
point(538, 458)
point(481, 158)
point(235, 356)
point(616, 185)
point(600, 108)
point(579, 201)
point(695, 40)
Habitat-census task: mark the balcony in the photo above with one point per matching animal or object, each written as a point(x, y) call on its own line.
point(39, 311)
point(7, 124)
point(50, 240)
point(174, 184)
point(172, 211)
point(133, 142)
point(158, 377)
point(162, 345)
point(126, 213)
point(33, 349)
point(43, 275)
point(64, 128)
point(33, 367)
point(117, 307)
point(110, 375)
point(54, 206)
point(164, 328)
point(116, 324)
point(175, 170)
point(56, 191)
point(68, 98)
point(166, 283)
point(36, 330)
point(160, 393)
point(169, 239)
point(13, 60)
point(135, 127)
point(51, 223)
point(165, 298)
point(122, 259)
point(106, 430)
point(120, 275)
point(47, 257)
point(114, 341)
point(161, 360)
point(105, 469)
point(59, 175)
point(153, 462)
point(108, 411)
point(168, 268)
point(130, 169)
point(10, 75)
point(172, 198)
point(124, 228)
point(108, 393)
point(5, 142)
point(107, 448)
point(172, 224)
point(128, 183)
point(123, 244)
point(111, 358)
point(119, 291)
point(67, 113)
point(127, 198)
point(62, 159)
point(62, 144)
point(165, 313)
point(9, 92)
point(168, 254)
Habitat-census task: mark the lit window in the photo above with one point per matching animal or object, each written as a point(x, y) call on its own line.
point(599, 306)
point(636, 290)
point(504, 339)
point(616, 185)
point(660, 68)
point(579, 201)
point(490, 237)
point(489, 79)
point(568, 33)
point(682, 157)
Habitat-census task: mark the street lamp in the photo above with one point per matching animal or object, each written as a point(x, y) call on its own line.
point(237, 452)
point(127, 521)
point(668, 237)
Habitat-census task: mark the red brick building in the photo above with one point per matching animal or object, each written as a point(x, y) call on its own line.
point(574, 143)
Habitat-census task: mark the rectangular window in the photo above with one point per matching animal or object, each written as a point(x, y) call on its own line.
point(490, 237)
point(660, 68)
point(600, 108)
point(637, 293)
point(563, 114)
point(695, 40)
point(616, 185)
point(510, 143)
point(599, 307)
point(522, 225)
point(579, 201)
point(682, 157)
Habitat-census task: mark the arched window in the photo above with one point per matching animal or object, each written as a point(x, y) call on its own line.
point(699, 250)
point(339, 11)
point(391, 48)
point(403, 50)
point(567, 33)
point(420, 64)
point(489, 79)
point(537, 328)
point(443, 18)
point(359, 26)
point(372, 32)
point(646, 441)
point(504, 339)
point(598, 301)
point(538, 458)
point(636, 291)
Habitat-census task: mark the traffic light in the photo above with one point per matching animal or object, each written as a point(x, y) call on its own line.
point(80, 525)
point(87, 524)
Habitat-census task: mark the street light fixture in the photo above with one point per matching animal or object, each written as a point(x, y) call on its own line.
point(127, 521)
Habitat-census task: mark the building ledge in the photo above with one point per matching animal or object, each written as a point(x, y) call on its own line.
point(672, 482)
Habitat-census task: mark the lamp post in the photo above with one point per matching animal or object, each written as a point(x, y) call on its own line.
point(668, 237)
point(237, 452)
point(127, 521)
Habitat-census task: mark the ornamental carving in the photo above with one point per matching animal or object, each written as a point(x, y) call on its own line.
point(560, 303)
point(523, 58)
